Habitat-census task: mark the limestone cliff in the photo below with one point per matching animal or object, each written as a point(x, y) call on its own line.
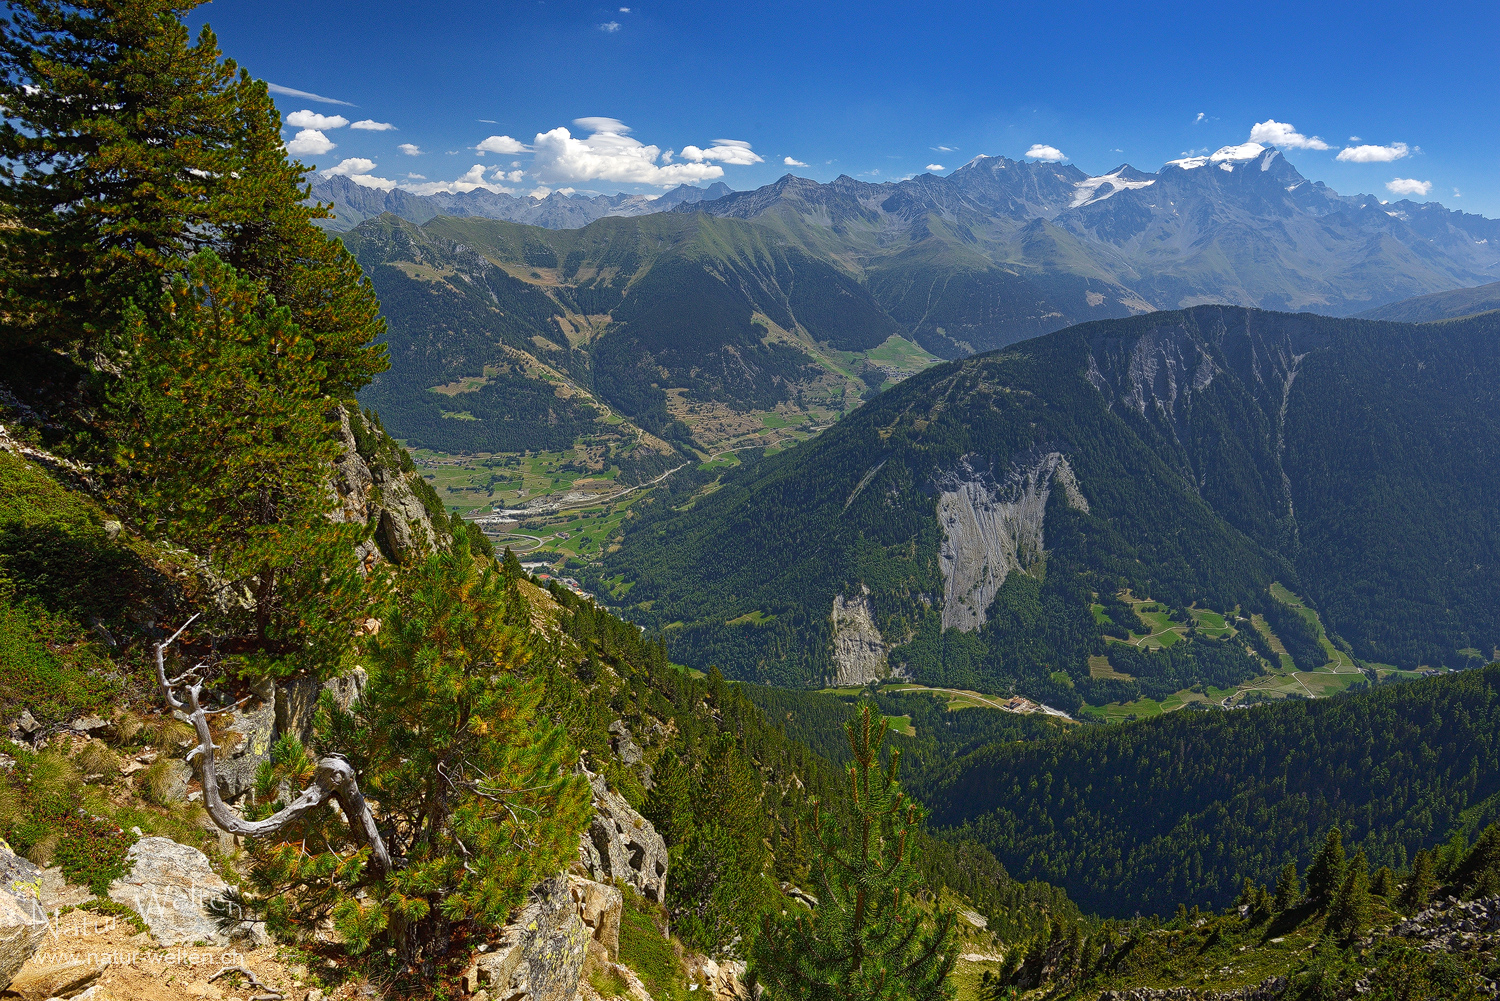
point(859, 651)
point(993, 527)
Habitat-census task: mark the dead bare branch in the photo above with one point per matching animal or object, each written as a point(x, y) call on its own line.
point(333, 778)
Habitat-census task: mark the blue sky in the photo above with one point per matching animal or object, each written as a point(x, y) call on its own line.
point(875, 90)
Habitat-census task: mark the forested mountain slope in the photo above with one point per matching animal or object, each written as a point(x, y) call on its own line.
point(524, 332)
point(974, 525)
point(1440, 305)
point(1184, 808)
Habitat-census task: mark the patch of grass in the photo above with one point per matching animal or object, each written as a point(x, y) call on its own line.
point(103, 905)
point(649, 953)
point(49, 666)
point(1100, 667)
point(755, 618)
point(607, 983)
point(902, 725)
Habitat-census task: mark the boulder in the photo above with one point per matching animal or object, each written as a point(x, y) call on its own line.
point(178, 895)
point(724, 980)
point(61, 980)
point(599, 907)
point(540, 953)
point(23, 928)
point(625, 747)
point(18, 875)
point(621, 845)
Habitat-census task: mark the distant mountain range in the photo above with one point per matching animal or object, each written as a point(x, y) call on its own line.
point(353, 203)
point(1000, 250)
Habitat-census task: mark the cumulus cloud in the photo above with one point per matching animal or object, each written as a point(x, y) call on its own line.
point(792, 163)
point(348, 167)
point(936, 166)
point(309, 142)
point(1373, 154)
point(1407, 186)
point(471, 179)
point(357, 169)
point(1049, 153)
point(609, 27)
point(313, 120)
point(371, 125)
point(500, 144)
point(1274, 133)
point(410, 149)
point(609, 153)
point(276, 88)
point(734, 152)
point(417, 177)
point(1200, 117)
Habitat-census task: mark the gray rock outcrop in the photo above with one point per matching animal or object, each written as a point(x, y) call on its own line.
point(540, 953)
point(621, 845)
point(23, 925)
point(297, 700)
point(371, 489)
point(254, 728)
point(1267, 990)
point(599, 907)
point(178, 895)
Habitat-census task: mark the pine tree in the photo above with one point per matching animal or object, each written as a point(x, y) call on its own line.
point(135, 148)
point(1288, 888)
point(475, 791)
point(866, 938)
point(1349, 913)
point(223, 443)
point(1420, 882)
point(1479, 875)
point(1326, 874)
point(1384, 883)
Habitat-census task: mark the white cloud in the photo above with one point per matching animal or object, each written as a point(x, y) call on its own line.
point(1457, 193)
point(357, 169)
point(792, 163)
point(313, 120)
point(276, 88)
point(309, 142)
point(514, 176)
point(1407, 186)
point(624, 10)
point(349, 167)
point(610, 154)
point(1274, 133)
point(1049, 153)
point(371, 125)
point(735, 152)
point(1200, 117)
point(500, 144)
point(417, 177)
point(470, 180)
point(610, 27)
point(936, 166)
point(1373, 154)
point(943, 149)
point(410, 149)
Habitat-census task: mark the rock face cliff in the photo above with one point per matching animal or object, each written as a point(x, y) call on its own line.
point(859, 651)
point(377, 486)
point(992, 527)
